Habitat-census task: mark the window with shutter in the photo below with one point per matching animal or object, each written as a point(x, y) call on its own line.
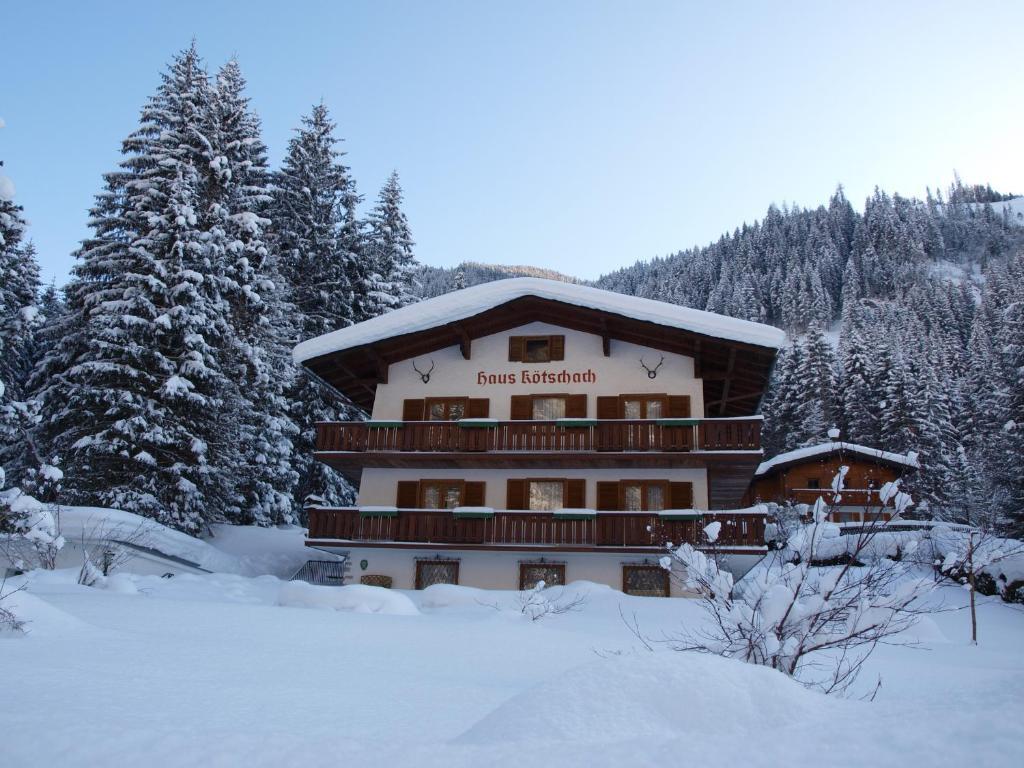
point(607, 496)
point(478, 408)
point(576, 407)
point(546, 495)
point(521, 408)
point(608, 407)
point(515, 497)
point(681, 495)
point(441, 494)
point(576, 493)
point(446, 408)
point(642, 406)
point(679, 406)
point(536, 349)
point(643, 495)
point(412, 410)
point(408, 494)
point(474, 494)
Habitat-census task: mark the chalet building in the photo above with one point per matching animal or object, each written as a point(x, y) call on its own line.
point(528, 429)
point(804, 475)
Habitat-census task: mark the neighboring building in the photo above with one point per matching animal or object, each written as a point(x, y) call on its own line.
point(528, 429)
point(803, 475)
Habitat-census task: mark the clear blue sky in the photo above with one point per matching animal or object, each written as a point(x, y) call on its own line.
point(579, 136)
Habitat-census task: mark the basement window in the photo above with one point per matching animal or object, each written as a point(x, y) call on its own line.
point(645, 580)
point(552, 574)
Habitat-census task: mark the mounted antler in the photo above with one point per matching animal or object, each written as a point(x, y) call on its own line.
point(425, 376)
point(652, 372)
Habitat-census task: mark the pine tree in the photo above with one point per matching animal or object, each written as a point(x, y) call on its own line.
point(312, 211)
point(237, 199)
point(392, 280)
point(139, 396)
point(19, 289)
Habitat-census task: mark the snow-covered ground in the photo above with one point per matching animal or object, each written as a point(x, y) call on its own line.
point(226, 669)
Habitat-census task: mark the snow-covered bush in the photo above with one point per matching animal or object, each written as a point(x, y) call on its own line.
point(815, 624)
point(536, 604)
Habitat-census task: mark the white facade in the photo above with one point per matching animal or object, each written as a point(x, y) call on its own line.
point(620, 373)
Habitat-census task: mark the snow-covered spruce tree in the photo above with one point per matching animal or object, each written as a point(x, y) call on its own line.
point(392, 267)
point(19, 293)
point(139, 396)
point(237, 198)
point(312, 210)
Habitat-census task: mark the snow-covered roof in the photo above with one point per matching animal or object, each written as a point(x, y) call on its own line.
point(835, 446)
point(468, 302)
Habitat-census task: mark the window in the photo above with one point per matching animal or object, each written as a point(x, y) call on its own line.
point(643, 495)
point(536, 349)
point(446, 408)
point(813, 482)
point(430, 572)
point(645, 580)
point(546, 495)
point(440, 494)
point(548, 408)
point(552, 574)
point(643, 407)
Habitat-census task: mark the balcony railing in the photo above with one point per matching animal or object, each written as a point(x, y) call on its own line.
point(569, 436)
point(513, 528)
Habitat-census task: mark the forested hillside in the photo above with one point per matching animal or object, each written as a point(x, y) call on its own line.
point(906, 326)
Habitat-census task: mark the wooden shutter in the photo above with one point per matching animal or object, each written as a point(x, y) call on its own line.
point(679, 406)
point(473, 494)
point(522, 407)
point(408, 494)
point(681, 495)
point(576, 493)
point(607, 496)
point(576, 407)
point(478, 408)
point(556, 344)
point(516, 349)
point(412, 410)
point(607, 407)
point(516, 495)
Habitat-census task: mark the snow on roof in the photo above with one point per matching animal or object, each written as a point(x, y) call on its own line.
point(468, 302)
point(909, 459)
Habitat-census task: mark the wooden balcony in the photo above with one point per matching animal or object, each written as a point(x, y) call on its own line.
point(567, 436)
point(528, 530)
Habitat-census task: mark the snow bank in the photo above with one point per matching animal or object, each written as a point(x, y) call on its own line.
point(652, 695)
point(357, 598)
point(451, 595)
point(41, 618)
point(468, 302)
point(93, 523)
point(276, 551)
